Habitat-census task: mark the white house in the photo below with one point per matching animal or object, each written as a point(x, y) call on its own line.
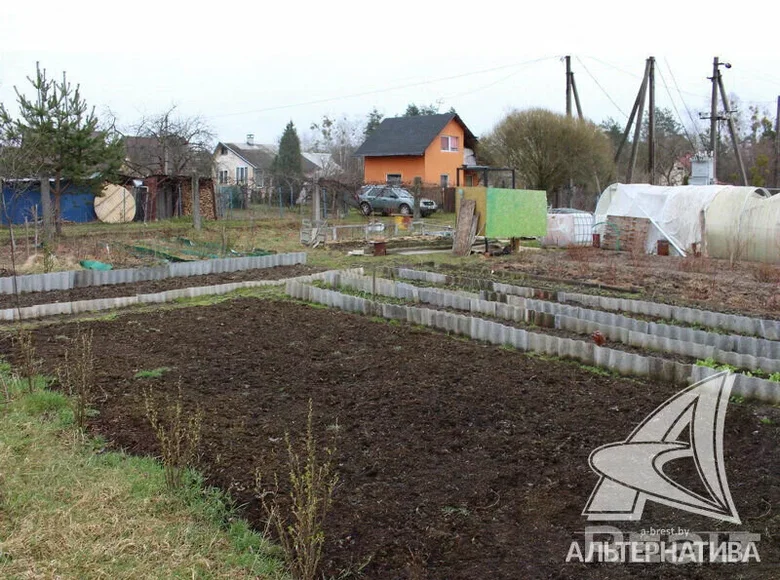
point(250, 164)
point(244, 163)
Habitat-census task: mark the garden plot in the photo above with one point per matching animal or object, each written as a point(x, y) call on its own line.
point(766, 328)
point(663, 346)
point(150, 286)
point(457, 460)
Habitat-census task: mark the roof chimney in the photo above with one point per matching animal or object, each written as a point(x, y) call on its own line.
point(250, 138)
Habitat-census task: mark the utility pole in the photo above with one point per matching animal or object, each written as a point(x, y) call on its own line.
point(638, 128)
point(576, 97)
point(714, 117)
point(777, 144)
point(568, 86)
point(651, 122)
point(732, 129)
point(639, 98)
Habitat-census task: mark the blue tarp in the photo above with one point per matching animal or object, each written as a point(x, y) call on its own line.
point(77, 203)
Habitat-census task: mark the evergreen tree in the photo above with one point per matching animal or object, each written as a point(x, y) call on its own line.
point(412, 110)
point(59, 135)
point(374, 119)
point(288, 163)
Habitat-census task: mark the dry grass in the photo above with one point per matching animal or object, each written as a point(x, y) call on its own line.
point(70, 510)
point(767, 273)
point(695, 264)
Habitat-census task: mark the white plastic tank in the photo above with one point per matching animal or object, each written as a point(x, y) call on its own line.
point(567, 228)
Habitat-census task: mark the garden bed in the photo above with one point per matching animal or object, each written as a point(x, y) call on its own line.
point(151, 286)
point(456, 460)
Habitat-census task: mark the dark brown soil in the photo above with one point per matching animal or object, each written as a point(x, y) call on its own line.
point(745, 288)
point(456, 460)
point(132, 289)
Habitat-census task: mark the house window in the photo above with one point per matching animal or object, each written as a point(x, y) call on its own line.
point(241, 174)
point(223, 176)
point(393, 179)
point(470, 180)
point(449, 143)
point(444, 179)
point(259, 179)
point(223, 150)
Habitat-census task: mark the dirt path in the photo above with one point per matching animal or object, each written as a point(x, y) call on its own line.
point(149, 287)
point(456, 460)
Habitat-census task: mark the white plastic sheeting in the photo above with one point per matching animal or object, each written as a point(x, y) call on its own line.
point(569, 229)
point(677, 213)
point(744, 228)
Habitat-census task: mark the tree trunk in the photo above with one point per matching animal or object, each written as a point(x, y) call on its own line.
point(58, 204)
point(46, 209)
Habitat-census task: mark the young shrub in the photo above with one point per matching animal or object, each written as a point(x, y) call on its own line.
point(298, 519)
point(27, 354)
point(77, 376)
point(177, 435)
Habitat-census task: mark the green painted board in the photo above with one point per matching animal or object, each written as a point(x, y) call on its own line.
point(515, 213)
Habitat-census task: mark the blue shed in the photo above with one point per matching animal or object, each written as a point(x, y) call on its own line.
point(21, 196)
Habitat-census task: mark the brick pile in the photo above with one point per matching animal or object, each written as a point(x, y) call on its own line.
point(625, 233)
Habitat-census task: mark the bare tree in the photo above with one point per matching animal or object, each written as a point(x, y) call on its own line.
point(340, 138)
point(168, 143)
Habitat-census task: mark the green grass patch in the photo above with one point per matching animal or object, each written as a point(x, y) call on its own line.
point(152, 374)
point(72, 510)
point(758, 373)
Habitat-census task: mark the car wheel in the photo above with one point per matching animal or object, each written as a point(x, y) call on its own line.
point(365, 208)
point(405, 209)
point(425, 214)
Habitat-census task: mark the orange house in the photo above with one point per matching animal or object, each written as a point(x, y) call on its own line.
point(432, 148)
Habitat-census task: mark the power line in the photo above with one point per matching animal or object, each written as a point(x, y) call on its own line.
point(690, 116)
point(603, 90)
point(501, 80)
point(624, 71)
point(378, 91)
point(682, 123)
point(612, 66)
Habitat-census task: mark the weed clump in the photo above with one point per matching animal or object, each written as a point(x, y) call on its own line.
point(298, 518)
point(77, 376)
point(28, 357)
point(177, 435)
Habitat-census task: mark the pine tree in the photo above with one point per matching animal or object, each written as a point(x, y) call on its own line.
point(372, 122)
point(288, 163)
point(59, 135)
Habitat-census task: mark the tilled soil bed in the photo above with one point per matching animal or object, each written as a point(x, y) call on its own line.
point(152, 286)
point(747, 288)
point(456, 460)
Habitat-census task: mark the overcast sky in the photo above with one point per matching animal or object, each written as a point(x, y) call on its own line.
point(250, 67)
